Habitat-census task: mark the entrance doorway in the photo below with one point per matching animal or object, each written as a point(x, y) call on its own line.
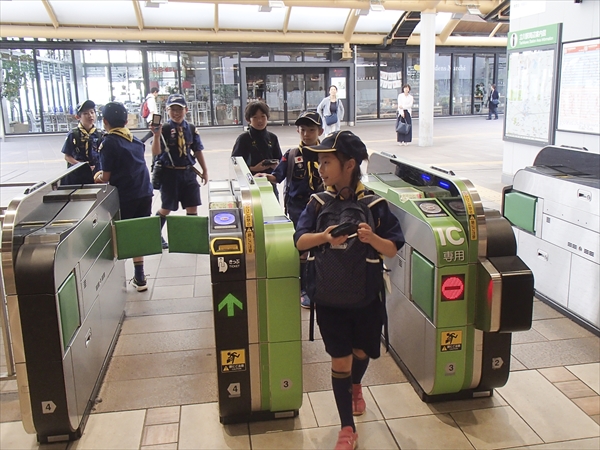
point(288, 92)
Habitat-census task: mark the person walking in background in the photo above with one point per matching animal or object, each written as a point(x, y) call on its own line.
point(124, 167)
point(178, 146)
point(405, 104)
point(150, 101)
point(82, 145)
point(493, 101)
point(331, 110)
point(259, 147)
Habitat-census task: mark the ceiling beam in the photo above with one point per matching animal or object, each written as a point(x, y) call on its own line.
point(138, 14)
point(216, 22)
point(51, 13)
point(286, 21)
point(448, 29)
point(350, 25)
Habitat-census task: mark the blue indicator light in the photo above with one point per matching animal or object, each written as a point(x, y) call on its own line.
point(444, 184)
point(425, 177)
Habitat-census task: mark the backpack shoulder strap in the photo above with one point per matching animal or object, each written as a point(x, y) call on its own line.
point(76, 132)
point(290, 167)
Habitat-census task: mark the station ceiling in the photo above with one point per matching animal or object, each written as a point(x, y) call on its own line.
point(339, 22)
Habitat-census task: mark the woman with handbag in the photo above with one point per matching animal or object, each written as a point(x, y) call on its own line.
point(493, 100)
point(331, 111)
point(404, 120)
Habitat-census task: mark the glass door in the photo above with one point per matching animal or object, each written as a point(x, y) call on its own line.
point(294, 93)
point(275, 98)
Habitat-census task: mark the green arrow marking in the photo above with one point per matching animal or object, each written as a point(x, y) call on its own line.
point(230, 301)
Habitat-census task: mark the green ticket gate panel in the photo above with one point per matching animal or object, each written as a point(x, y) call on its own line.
point(446, 331)
point(254, 273)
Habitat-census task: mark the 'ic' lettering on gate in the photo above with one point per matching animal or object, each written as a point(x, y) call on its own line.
point(445, 234)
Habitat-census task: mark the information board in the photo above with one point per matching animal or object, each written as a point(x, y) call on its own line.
point(579, 100)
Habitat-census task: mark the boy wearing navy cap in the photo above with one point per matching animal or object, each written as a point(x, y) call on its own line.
point(301, 175)
point(82, 144)
point(124, 166)
point(349, 318)
point(177, 146)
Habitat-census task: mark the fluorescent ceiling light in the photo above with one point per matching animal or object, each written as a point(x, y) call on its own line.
point(376, 5)
point(155, 3)
point(361, 12)
point(272, 4)
point(473, 9)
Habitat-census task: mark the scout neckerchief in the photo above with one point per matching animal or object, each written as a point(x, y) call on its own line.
point(359, 192)
point(181, 141)
point(312, 167)
point(123, 132)
point(85, 137)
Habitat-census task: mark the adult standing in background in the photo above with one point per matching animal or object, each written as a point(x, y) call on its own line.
point(493, 100)
point(153, 108)
point(331, 111)
point(405, 104)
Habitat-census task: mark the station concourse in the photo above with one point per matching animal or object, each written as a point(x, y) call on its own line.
point(159, 391)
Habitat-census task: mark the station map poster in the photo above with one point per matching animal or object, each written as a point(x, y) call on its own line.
point(579, 102)
point(531, 87)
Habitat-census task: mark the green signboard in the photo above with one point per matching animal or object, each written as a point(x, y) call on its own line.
point(533, 37)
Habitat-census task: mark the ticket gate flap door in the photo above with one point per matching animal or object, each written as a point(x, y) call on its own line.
point(138, 237)
point(188, 234)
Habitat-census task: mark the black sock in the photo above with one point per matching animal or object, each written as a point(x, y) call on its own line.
point(163, 219)
point(342, 391)
point(359, 367)
point(191, 214)
point(138, 268)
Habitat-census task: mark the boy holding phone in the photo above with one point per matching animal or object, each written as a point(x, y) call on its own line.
point(178, 146)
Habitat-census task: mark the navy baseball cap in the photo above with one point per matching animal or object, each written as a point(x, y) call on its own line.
point(342, 141)
point(309, 118)
point(176, 99)
point(115, 114)
point(88, 104)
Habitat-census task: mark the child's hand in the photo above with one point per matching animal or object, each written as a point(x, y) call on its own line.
point(365, 233)
point(155, 129)
point(339, 240)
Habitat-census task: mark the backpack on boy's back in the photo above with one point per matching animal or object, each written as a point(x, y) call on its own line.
point(349, 275)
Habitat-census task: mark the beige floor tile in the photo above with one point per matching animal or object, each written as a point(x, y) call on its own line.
point(14, 437)
point(163, 364)
point(437, 431)
point(167, 322)
point(316, 376)
point(313, 352)
point(170, 272)
point(202, 286)
point(523, 337)
point(119, 431)
point(468, 404)
point(553, 416)
point(515, 364)
point(171, 260)
point(323, 404)
point(495, 428)
point(589, 405)
point(169, 292)
point(156, 416)
point(168, 341)
point(399, 400)
point(560, 328)
point(10, 408)
point(579, 444)
point(543, 311)
point(157, 392)
point(200, 429)
point(557, 374)
point(175, 281)
point(596, 418)
point(171, 446)
point(160, 434)
point(180, 305)
point(305, 419)
point(537, 355)
point(383, 370)
point(589, 374)
point(574, 389)
point(8, 386)
point(305, 330)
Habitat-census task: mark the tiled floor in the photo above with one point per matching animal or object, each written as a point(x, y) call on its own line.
point(160, 388)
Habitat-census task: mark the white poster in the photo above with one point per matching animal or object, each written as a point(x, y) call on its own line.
point(340, 84)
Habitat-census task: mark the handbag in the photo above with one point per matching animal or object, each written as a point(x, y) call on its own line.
point(402, 127)
point(495, 101)
point(331, 119)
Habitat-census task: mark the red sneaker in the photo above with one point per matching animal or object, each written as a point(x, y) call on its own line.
point(358, 403)
point(347, 439)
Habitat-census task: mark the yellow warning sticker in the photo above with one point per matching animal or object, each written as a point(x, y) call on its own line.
point(247, 216)
point(473, 228)
point(468, 202)
point(233, 360)
point(249, 240)
point(451, 341)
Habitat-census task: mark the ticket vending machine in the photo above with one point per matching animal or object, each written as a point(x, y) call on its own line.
point(456, 289)
point(254, 274)
point(65, 292)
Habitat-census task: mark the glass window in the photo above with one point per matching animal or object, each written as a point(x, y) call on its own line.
point(390, 83)
point(162, 68)
point(287, 56)
point(226, 87)
point(315, 90)
point(93, 80)
point(462, 84)
point(127, 81)
point(58, 90)
point(484, 76)
point(441, 96)
point(255, 55)
point(19, 91)
point(501, 83)
point(195, 82)
point(366, 85)
point(317, 55)
point(413, 77)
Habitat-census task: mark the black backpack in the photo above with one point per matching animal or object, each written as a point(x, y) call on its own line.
point(350, 275)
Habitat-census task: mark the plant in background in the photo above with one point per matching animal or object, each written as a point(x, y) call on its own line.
point(17, 69)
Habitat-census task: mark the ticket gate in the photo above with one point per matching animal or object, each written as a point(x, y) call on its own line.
point(554, 207)
point(256, 291)
point(457, 290)
point(65, 293)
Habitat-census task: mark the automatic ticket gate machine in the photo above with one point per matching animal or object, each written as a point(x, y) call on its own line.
point(554, 207)
point(255, 281)
point(65, 293)
point(458, 289)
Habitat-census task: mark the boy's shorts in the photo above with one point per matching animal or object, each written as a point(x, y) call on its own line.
point(140, 207)
point(179, 186)
point(343, 329)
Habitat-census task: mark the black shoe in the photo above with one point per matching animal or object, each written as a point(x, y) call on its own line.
point(489, 118)
point(140, 286)
point(495, 118)
point(165, 244)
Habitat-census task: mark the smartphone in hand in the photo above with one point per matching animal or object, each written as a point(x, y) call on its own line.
point(156, 120)
point(268, 162)
point(345, 229)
